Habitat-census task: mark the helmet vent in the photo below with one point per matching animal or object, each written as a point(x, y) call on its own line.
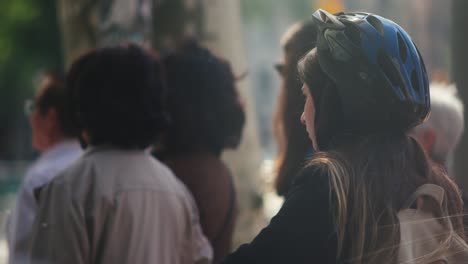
point(325, 18)
point(423, 70)
point(402, 48)
point(414, 80)
point(376, 23)
point(424, 79)
point(392, 72)
point(353, 33)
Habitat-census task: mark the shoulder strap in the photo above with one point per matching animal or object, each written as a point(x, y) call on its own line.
point(424, 237)
point(434, 191)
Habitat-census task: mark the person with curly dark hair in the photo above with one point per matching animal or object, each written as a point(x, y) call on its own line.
point(117, 204)
point(207, 117)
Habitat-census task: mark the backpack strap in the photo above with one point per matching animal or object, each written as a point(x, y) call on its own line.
point(434, 191)
point(429, 238)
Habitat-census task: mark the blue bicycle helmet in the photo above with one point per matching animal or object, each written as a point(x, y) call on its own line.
point(379, 74)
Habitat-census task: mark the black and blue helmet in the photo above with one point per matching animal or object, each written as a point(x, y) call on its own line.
point(378, 71)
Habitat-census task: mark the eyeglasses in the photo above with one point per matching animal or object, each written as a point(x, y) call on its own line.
point(29, 106)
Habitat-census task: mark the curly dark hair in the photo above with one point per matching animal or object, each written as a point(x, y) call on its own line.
point(203, 102)
point(116, 95)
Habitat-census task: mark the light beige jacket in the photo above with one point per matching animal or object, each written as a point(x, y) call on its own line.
point(116, 206)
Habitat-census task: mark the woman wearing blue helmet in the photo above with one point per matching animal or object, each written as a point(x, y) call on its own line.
point(365, 86)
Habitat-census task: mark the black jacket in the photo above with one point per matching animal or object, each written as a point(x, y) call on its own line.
point(301, 232)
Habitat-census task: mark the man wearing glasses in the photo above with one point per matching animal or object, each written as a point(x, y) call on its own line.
point(53, 137)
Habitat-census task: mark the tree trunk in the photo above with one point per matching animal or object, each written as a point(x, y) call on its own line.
point(222, 30)
point(460, 67)
point(86, 24)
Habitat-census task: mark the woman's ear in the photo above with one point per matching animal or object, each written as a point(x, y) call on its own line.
point(427, 140)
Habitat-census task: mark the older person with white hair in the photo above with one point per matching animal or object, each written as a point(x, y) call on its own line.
point(440, 133)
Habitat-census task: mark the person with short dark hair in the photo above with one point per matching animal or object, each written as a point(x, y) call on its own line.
point(117, 204)
point(207, 117)
point(54, 137)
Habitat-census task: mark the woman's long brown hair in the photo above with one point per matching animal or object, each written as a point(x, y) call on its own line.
point(371, 177)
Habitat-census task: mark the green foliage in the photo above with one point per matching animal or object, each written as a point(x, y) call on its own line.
point(29, 43)
point(261, 11)
point(257, 10)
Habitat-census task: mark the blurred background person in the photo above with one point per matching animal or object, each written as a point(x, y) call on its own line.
point(440, 133)
point(117, 203)
point(207, 117)
point(53, 136)
point(292, 141)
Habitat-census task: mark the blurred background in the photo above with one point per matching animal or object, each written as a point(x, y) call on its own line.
point(36, 36)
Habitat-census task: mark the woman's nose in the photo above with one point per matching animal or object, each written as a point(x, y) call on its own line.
point(303, 118)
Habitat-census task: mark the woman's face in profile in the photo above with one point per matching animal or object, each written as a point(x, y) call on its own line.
point(308, 115)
